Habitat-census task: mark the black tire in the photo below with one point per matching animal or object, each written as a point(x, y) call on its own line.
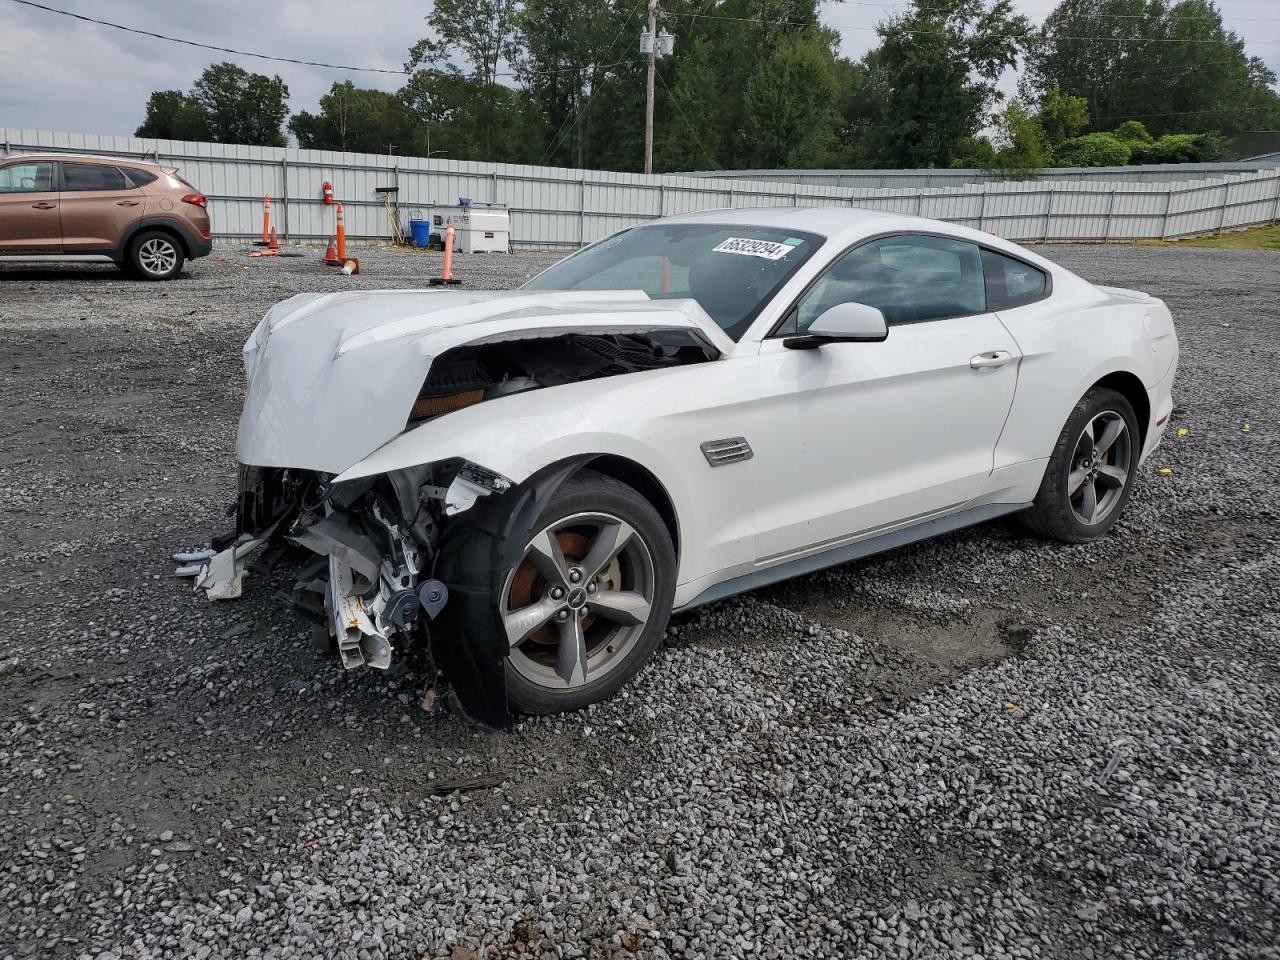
point(155, 255)
point(588, 493)
point(1054, 512)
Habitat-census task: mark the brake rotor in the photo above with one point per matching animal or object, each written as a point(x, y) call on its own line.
point(528, 586)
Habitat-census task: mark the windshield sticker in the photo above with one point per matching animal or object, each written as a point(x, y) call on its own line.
point(745, 246)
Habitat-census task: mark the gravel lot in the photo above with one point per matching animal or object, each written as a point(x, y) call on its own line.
point(985, 746)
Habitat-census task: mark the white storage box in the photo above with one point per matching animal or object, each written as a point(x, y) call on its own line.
point(477, 227)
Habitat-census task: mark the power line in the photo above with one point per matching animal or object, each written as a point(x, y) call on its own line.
point(204, 46)
point(264, 56)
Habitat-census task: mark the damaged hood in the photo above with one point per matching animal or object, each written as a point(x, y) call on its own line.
point(332, 377)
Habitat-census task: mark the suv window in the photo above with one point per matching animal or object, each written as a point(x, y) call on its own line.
point(909, 278)
point(92, 176)
point(27, 177)
point(139, 178)
point(1010, 282)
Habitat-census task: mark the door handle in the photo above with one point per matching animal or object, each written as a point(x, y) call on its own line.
point(990, 360)
point(126, 203)
point(44, 205)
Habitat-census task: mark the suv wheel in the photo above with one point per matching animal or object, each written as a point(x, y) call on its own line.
point(155, 255)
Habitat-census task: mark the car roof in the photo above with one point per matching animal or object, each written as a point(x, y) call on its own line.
point(850, 224)
point(821, 220)
point(90, 157)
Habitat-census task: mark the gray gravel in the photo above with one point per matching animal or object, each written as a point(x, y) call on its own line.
point(983, 746)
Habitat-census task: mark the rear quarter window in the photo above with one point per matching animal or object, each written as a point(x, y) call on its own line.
point(139, 178)
point(1012, 283)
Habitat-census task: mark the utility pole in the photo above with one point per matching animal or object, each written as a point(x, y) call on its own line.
point(648, 87)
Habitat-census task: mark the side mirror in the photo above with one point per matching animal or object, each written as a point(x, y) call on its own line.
point(845, 322)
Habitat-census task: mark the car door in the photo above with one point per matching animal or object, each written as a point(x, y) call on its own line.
point(98, 206)
point(865, 437)
point(29, 214)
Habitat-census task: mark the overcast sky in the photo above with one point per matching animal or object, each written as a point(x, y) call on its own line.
point(61, 74)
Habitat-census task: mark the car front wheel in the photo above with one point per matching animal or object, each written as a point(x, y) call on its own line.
point(588, 603)
point(1091, 471)
point(155, 255)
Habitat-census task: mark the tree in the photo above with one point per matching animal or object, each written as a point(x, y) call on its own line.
point(174, 115)
point(1172, 66)
point(1021, 141)
point(226, 105)
point(1062, 116)
point(242, 107)
point(465, 119)
point(566, 53)
point(356, 120)
point(757, 83)
point(939, 64)
point(482, 33)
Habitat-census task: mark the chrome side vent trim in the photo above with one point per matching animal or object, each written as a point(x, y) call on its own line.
point(729, 450)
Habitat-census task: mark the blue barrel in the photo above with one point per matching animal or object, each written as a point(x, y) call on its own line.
point(420, 230)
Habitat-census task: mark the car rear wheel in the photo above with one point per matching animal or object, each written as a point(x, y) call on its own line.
point(155, 255)
point(1091, 471)
point(588, 603)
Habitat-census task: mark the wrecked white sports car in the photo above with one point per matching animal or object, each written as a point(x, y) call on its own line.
point(529, 482)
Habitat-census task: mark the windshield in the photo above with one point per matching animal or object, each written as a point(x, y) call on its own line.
point(732, 271)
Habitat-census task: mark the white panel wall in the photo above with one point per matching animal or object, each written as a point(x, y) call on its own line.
point(555, 207)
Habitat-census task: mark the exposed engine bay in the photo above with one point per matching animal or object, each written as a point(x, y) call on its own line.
point(368, 550)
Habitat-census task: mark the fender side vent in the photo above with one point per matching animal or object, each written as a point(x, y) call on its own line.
point(730, 450)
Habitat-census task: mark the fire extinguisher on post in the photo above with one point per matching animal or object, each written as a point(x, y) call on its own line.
point(327, 189)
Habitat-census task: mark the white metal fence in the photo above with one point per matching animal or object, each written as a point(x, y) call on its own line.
point(555, 207)
point(1147, 173)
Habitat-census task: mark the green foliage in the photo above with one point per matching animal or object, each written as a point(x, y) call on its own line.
point(242, 107)
point(174, 115)
point(565, 57)
point(482, 33)
point(759, 83)
point(464, 118)
point(226, 105)
point(1062, 116)
point(1134, 133)
point(1118, 55)
point(939, 65)
point(1022, 144)
point(1092, 150)
point(356, 120)
point(1180, 148)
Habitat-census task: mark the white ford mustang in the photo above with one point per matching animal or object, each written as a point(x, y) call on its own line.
point(529, 482)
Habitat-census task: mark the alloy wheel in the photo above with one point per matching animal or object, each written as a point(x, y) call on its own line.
point(1100, 467)
point(157, 256)
point(579, 600)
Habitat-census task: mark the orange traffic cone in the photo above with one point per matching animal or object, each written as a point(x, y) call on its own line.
point(266, 223)
point(447, 276)
point(351, 266)
point(274, 244)
point(331, 254)
point(342, 234)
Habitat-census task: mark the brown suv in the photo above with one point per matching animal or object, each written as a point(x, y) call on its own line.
point(68, 207)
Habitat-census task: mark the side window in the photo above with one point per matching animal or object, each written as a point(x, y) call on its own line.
point(92, 176)
point(1010, 282)
point(26, 178)
point(139, 178)
point(909, 278)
